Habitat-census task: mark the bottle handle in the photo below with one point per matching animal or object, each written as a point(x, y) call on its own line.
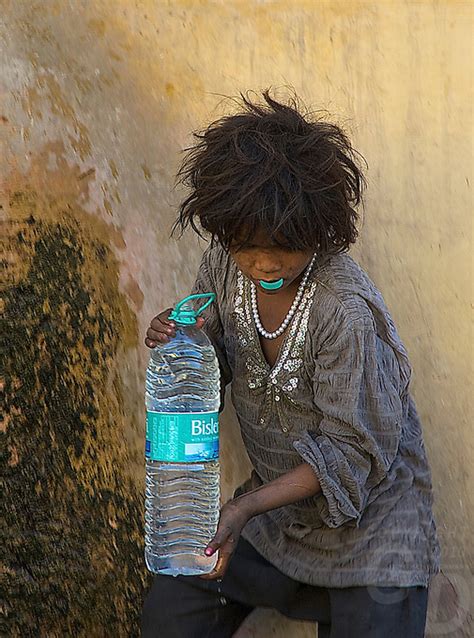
point(211, 297)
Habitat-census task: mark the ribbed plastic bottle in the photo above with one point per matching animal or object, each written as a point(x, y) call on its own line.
point(182, 448)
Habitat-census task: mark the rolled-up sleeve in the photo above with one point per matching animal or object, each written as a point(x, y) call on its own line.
point(357, 389)
point(205, 282)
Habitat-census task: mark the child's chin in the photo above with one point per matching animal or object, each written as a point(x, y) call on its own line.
point(271, 292)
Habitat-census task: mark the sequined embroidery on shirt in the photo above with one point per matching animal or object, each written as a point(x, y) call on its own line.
point(278, 382)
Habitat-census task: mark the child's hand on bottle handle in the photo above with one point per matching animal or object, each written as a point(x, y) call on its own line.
point(161, 329)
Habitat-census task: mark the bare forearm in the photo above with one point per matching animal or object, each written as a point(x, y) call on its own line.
point(291, 487)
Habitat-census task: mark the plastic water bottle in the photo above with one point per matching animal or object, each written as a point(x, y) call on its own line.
point(182, 448)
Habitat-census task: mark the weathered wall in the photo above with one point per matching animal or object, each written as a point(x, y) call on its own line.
point(97, 100)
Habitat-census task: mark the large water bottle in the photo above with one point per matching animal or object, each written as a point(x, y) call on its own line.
point(182, 448)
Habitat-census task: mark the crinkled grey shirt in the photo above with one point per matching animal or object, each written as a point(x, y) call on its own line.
point(338, 398)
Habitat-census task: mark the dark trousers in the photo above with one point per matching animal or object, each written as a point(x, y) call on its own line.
point(190, 607)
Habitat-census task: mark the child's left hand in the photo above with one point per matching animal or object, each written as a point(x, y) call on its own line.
point(291, 487)
point(233, 519)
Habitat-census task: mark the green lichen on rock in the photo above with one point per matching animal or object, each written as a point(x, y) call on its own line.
point(73, 520)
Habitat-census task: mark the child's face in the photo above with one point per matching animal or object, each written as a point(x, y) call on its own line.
point(261, 259)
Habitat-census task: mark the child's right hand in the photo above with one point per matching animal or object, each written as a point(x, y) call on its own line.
point(162, 329)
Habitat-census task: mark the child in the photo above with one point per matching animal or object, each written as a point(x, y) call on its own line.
point(335, 525)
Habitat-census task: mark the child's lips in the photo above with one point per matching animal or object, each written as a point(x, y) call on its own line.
point(269, 281)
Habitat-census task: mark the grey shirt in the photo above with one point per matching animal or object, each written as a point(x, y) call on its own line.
point(337, 398)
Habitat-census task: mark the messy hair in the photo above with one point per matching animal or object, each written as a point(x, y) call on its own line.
point(270, 167)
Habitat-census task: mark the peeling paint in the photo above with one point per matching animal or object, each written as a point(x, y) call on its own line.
point(48, 86)
point(113, 169)
point(97, 26)
point(146, 172)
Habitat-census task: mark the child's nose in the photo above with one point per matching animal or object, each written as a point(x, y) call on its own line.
point(267, 267)
point(268, 274)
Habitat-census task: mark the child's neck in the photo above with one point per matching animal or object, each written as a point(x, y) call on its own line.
point(273, 309)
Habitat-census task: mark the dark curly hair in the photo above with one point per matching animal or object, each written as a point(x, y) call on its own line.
point(268, 167)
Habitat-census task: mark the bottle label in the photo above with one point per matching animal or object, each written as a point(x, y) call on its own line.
point(182, 437)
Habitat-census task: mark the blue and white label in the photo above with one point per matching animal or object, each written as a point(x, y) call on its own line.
point(182, 437)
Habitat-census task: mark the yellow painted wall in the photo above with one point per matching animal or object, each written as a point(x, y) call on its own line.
point(97, 99)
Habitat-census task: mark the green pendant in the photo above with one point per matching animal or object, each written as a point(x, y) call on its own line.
point(271, 285)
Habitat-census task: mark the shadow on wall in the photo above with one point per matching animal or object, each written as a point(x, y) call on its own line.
point(73, 516)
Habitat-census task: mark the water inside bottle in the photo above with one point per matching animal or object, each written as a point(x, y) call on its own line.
point(182, 499)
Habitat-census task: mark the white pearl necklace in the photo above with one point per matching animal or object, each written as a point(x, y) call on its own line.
point(291, 311)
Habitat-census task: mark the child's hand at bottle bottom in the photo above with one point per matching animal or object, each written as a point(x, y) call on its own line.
point(232, 520)
point(298, 484)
